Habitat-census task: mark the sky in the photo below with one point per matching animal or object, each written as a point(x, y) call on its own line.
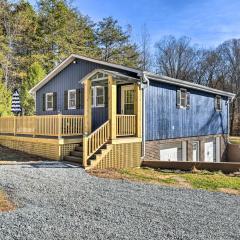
point(207, 22)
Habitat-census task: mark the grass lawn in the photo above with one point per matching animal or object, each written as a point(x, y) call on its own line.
point(201, 180)
point(5, 203)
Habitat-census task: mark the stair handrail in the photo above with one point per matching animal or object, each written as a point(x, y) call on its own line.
point(93, 142)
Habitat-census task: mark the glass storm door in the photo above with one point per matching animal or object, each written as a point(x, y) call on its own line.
point(127, 100)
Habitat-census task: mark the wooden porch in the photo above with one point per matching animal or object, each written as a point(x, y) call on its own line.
point(70, 137)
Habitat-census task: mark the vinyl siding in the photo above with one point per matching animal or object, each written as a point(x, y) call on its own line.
point(164, 120)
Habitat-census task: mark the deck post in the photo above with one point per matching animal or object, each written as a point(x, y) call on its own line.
point(112, 105)
point(59, 126)
point(34, 122)
point(87, 124)
point(138, 109)
point(85, 150)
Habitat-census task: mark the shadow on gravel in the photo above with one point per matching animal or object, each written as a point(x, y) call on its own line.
point(47, 164)
point(12, 157)
point(54, 165)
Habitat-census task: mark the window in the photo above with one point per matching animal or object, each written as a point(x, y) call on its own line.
point(98, 96)
point(183, 98)
point(218, 103)
point(72, 99)
point(49, 101)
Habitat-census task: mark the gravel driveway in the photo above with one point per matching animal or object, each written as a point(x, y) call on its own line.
point(61, 201)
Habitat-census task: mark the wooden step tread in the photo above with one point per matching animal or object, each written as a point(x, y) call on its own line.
point(73, 159)
point(76, 154)
point(80, 149)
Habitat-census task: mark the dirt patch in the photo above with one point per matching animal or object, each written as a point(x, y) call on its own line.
point(182, 182)
point(5, 204)
point(106, 173)
point(230, 191)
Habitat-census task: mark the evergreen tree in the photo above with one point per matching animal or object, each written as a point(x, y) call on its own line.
point(35, 74)
point(115, 43)
point(62, 31)
point(5, 100)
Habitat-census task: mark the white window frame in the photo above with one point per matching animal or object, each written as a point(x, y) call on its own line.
point(216, 103)
point(69, 92)
point(185, 100)
point(46, 101)
point(94, 96)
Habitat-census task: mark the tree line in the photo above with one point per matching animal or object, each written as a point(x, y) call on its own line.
point(33, 40)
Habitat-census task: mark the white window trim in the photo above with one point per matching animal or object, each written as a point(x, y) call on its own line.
point(216, 105)
point(94, 97)
point(46, 101)
point(72, 91)
point(183, 90)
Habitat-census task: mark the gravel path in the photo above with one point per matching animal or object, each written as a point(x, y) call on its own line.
point(61, 201)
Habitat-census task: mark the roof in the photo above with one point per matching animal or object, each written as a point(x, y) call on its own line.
point(102, 74)
point(69, 60)
point(187, 84)
point(150, 75)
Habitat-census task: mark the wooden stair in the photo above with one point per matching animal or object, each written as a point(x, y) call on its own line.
point(96, 157)
point(76, 156)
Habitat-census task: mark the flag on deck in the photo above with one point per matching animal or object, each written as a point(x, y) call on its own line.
point(16, 104)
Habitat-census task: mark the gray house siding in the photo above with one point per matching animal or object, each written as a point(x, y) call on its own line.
point(164, 120)
point(69, 79)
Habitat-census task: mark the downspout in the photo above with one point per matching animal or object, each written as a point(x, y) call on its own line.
point(230, 100)
point(228, 129)
point(144, 85)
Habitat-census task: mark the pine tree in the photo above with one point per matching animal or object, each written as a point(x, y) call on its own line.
point(62, 31)
point(115, 43)
point(5, 100)
point(35, 74)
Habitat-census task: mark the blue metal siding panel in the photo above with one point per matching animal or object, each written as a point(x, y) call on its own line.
point(164, 120)
point(69, 79)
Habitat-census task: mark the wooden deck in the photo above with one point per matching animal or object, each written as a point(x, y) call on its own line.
point(59, 137)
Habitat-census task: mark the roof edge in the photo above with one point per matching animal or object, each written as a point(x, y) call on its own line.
point(186, 84)
point(68, 60)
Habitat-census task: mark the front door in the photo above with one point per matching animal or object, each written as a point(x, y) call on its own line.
point(209, 151)
point(127, 99)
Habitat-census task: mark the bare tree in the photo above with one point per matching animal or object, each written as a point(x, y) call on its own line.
point(145, 50)
point(230, 59)
point(175, 58)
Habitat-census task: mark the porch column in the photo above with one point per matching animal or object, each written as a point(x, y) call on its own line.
point(112, 105)
point(138, 109)
point(87, 124)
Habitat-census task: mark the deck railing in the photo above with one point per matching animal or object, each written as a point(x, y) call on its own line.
point(47, 125)
point(96, 140)
point(126, 125)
